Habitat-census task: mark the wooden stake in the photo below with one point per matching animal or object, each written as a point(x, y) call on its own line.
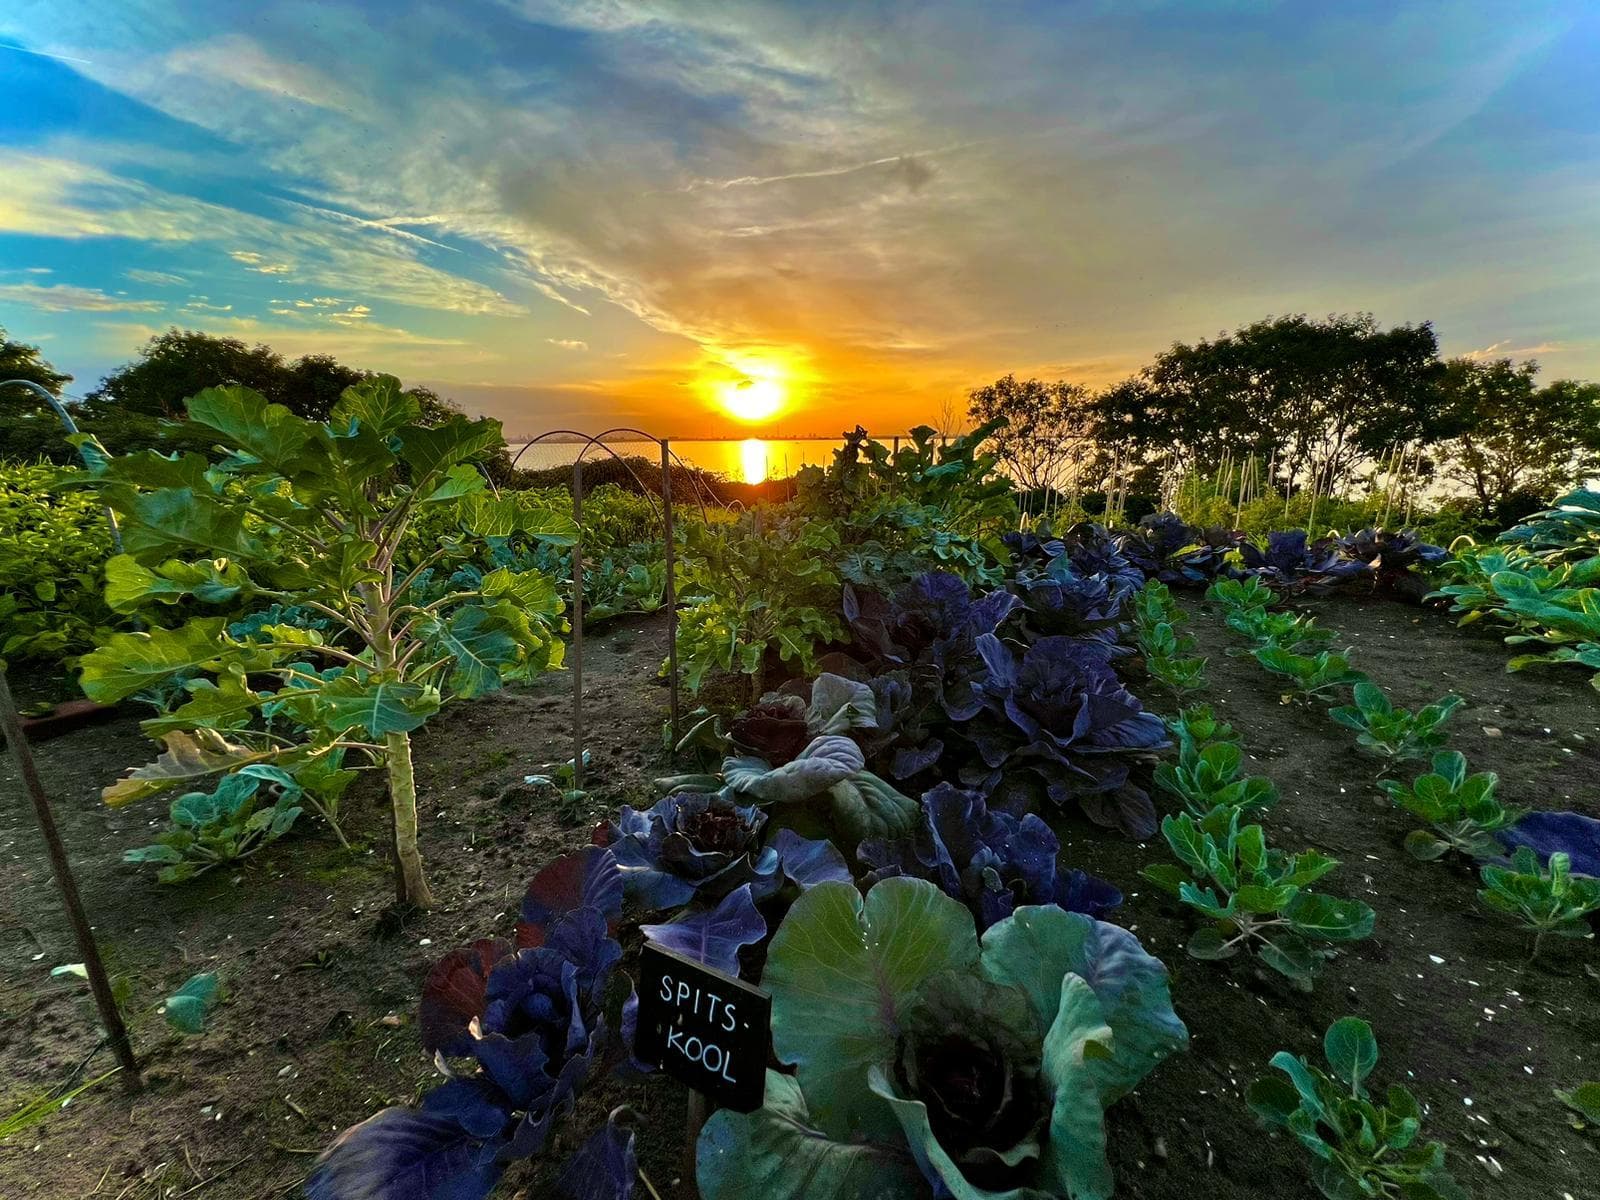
point(110, 1016)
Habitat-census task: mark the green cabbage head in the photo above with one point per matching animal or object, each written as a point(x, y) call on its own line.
point(930, 1063)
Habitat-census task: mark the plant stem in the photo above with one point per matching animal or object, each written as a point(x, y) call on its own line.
point(413, 885)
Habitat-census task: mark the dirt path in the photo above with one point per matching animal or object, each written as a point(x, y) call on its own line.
point(316, 1032)
point(1459, 1018)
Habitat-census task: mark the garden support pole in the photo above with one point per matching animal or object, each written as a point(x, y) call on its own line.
point(71, 427)
point(116, 1032)
point(577, 626)
point(672, 589)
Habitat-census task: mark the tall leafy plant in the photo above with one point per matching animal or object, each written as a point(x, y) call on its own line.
point(313, 514)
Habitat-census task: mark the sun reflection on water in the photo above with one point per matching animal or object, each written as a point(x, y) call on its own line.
point(753, 460)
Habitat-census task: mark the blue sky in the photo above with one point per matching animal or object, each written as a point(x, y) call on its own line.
point(599, 211)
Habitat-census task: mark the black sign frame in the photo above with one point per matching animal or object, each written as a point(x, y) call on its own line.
point(704, 1027)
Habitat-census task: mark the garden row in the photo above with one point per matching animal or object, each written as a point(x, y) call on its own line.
point(882, 819)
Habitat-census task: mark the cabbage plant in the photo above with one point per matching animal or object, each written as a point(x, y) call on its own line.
point(936, 1063)
point(991, 861)
point(517, 1028)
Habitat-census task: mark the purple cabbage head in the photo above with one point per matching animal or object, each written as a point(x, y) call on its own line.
point(1166, 549)
point(524, 1029)
point(991, 861)
point(692, 844)
point(1293, 564)
point(774, 729)
point(697, 846)
point(1062, 716)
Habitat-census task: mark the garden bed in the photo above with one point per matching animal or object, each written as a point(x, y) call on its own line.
point(318, 1029)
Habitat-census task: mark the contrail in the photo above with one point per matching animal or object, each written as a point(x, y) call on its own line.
point(45, 54)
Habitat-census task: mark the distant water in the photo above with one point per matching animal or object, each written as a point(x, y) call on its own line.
point(748, 461)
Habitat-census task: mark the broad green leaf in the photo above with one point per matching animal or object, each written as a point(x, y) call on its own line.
point(430, 449)
point(823, 763)
point(1351, 1051)
point(245, 421)
point(463, 479)
point(376, 404)
point(533, 591)
point(1584, 1099)
point(1038, 947)
point(839, 705)
point(1330, 919)
point(480, 645)
point(211, 581)
point(516, 513)
point(864, 806)
point(182, 522)
point(380, 706)
point(129, 662)
point(839, 969)
point(1210, 944)
point(188, 756)
point(1079, 1042)
point(777, 1153)
point(226, 704)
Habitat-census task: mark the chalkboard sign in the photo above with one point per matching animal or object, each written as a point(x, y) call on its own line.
point(704, 1028)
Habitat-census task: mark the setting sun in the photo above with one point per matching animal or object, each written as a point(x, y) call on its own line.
point(752, 399)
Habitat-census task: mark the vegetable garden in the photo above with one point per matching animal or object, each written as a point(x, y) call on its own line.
point(1075, 861)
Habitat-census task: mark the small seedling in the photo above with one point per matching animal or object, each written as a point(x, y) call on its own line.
point(1236, 594)
point(1394, 733)
point(1461, 808)
point(187, 1008)
point(1255, 897)
point(1548, 900)
point(1208, 777)
point(1362, 1149)
point(1310, 675)
point(1287, 631)
point(571, 802)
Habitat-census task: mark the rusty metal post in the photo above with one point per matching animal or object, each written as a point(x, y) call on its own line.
point(672, 589)
point(116, 1031)
point(577, 625)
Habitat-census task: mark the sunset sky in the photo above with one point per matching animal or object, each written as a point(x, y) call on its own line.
point(606, 211)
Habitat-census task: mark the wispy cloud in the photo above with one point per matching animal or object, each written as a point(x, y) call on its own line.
point(61, 297)
point(569, 344)
point(1509, 349)
point(154, 278)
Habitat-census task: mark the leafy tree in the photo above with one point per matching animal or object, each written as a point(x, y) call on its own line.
point(28, 428)
point(1316, 397)
point(314, 515)
point(1046, 437)
point(1516, 437)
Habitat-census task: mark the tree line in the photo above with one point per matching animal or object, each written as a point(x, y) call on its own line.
point(1312, 404)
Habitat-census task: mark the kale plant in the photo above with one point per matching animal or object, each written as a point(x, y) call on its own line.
point(1549, 899)
point(1394, 733)
point(1255, 898)
point(1361, 1148)
point(246, 812)
point(1168, 654)
point(1462, 809)
point(315, 515)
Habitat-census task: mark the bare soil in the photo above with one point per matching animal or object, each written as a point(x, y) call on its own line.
point(317, 1029)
